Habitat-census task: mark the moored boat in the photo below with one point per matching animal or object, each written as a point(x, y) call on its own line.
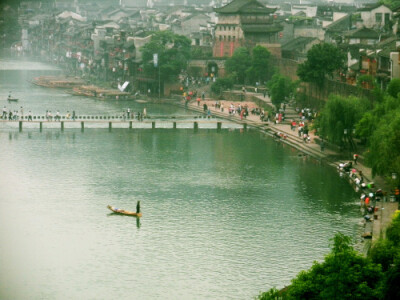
point(124, 212)
point(12, 99)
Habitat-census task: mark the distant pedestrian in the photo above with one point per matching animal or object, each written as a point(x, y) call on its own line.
point(144, 112)
point(22, 113)
point(29, 116)
point(128, 113)
point(4, 116)
point(73, 115)
point(203, 95)
point(57, 117)
point(355, 158)
point(198, 101)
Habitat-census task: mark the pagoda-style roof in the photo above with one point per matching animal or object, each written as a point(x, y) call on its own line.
point(255, 28)
point(244, 7)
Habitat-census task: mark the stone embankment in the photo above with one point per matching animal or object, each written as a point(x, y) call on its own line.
point(379, 219)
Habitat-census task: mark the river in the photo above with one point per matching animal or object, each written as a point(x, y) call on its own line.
point(225, 214)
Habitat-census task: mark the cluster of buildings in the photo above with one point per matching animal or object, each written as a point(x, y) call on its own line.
point(103, 41)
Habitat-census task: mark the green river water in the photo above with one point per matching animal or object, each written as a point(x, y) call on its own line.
point(225, 214)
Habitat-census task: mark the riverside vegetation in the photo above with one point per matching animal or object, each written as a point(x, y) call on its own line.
point(346, 122)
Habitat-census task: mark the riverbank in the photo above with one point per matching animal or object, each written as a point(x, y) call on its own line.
point(376, 221)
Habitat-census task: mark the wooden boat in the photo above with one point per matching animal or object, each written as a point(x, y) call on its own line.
point(123, 212)
point(12, 99)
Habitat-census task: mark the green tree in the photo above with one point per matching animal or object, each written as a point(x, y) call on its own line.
point(366, 81)
point(366, 126)
point(173, 54)
point(383, 154)
point(394, 87)
point(238, 64)
point(338, 114)
point(280, 87)
point(260, 69)
point(222, 84)
point(272, 294)
point(322, 60)
point(344, 274)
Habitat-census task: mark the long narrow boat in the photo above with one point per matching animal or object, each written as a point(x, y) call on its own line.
point(123, 211)
point(12, 99)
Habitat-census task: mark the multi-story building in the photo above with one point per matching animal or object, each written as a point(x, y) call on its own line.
point(245, 23)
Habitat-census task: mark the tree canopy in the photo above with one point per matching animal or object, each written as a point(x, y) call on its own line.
point(248, 67)
point(280, 87)
point(238, 64)
point(344, 274)
point(322, 60)
point(260, 69)
point(339, 113)
point(173, 54)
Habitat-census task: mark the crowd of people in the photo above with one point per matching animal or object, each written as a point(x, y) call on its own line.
point(16, 115)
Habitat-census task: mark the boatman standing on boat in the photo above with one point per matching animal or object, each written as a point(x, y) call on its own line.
point(138, 207)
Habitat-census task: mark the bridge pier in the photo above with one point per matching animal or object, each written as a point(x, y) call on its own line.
point(130, 124)
point(219, 125)
point(196, 125)
point(153, 125)
point(40, 126)
point(109, 126)
point(62, 125)
point(82, 126)
point(245, 126)
point(174, 125)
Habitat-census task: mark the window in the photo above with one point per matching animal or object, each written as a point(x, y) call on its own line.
point(220, 38)
point(378, 17)
point(387, 18)
point(229, 38)
point(233, 38)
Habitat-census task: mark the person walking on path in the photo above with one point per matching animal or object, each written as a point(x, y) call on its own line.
point(73, 115)
point(4, 116)
point(29, 116)
point(355, 158)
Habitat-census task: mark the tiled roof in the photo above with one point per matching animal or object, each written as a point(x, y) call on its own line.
point(362, 33)
point(342, 24)
point(297, 42)
point(244, 6)
point(372, 6)
point(261, 28)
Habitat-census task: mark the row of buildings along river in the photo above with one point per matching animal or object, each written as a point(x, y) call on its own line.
point(101, 40)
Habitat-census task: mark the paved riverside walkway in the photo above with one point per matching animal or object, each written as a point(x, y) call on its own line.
point(381, 218)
